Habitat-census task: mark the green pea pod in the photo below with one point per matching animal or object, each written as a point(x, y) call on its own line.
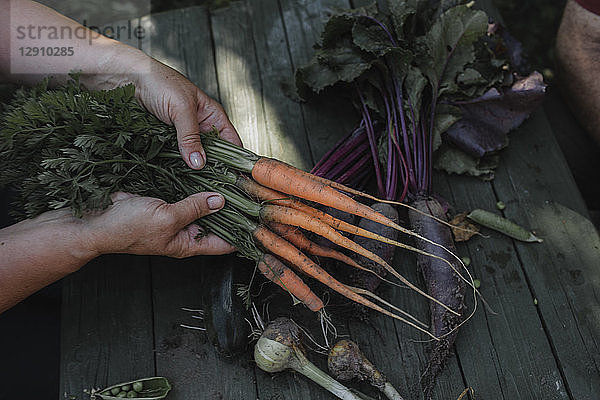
point(155, 388)
point(502, 225)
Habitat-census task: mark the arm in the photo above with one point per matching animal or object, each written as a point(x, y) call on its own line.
point(578, 62)
point(105, 63)
point(39, 251)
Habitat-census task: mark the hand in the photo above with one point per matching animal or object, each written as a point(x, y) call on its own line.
point(145, 225)
point(175, 100)
point(104, 64)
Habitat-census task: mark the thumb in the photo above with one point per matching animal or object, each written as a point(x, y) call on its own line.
point(188, 136)
point(196, 206)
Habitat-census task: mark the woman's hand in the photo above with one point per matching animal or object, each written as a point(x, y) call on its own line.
point(145, 225)
point(104, 63)
point(175, 100)
point(38, 251)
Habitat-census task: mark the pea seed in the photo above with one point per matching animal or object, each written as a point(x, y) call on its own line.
point(466, 261)
point(131, 394)
point(138, 386)
point(126, 388)
point(122, 394)
point(115, 391)
point(500, 205)
point(476, 283)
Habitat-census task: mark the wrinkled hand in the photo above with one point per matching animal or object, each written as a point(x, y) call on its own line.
point(175, 100)
point(149, 226)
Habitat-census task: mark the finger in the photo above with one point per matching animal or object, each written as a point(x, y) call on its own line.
point(196, 206)
point(211, 114)
point(185, 119)
point(210, 244)
point(118, 196)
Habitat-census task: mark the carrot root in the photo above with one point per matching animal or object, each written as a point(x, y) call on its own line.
point(277, 198)
point(372, 295)
point(290, 216)
point(287, 251)
point(295, 237)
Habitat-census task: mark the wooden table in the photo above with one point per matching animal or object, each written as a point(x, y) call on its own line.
point(121, 314)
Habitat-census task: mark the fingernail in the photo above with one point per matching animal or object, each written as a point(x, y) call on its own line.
point(214, 202)
point(196, 160)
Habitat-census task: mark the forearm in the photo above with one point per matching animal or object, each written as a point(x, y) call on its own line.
point(102, 62)
point(578, 64)
point(39, 251)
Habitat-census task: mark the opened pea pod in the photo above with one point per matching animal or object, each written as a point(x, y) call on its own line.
point(155, 388)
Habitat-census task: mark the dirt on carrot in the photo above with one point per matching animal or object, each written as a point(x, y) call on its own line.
point(278, 273)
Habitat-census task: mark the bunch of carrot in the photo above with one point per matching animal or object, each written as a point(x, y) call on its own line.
point(277, 195)
point(51, 164)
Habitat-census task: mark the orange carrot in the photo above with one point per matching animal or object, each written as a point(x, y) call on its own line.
point(291, 216)
point(347, 189)
point(293, 235)
point(274, 197)
point(260, 192)
point(279, 273)
point(282, 248)
point(278, 198)
point(283, 177)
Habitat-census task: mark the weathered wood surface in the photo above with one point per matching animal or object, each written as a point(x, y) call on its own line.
point(537, 340)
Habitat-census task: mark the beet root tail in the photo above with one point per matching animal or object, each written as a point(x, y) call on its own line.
point(443, 282)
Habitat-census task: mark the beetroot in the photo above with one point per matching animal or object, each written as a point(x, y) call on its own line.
point(442, 283)
point(364, 279)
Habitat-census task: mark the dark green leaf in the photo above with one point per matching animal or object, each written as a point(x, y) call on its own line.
point(370, 37)
point(445, 117)
point(454, 161)
point(470, 76)
point(337, 26)
point(400, 12)
point(450, 44)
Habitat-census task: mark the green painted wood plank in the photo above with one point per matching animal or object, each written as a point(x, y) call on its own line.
point(325, 119)
point(106, 328)
point(580, 150)
point(283, 116)
point(239, 80)
point(106, 324)
point(564, 271)
point(192, 364)
point(266, 61)
point(505, 355)
point(182, 38)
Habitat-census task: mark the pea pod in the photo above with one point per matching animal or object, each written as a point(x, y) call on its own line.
point(155, 388)
point(502, 225)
